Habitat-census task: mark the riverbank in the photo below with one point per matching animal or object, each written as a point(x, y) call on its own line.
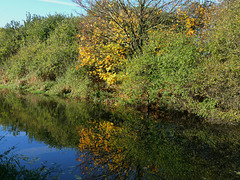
point(188, 63)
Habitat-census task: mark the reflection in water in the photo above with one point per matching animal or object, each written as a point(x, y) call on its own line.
point(144, 149)
point(103, 151)
point(127, 152)
point(112, 145)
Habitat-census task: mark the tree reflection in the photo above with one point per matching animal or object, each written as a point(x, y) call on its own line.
point(123, 144)
point(134, 150)
point(101, 139)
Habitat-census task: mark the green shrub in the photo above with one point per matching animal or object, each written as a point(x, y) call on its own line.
point(219, 72)
point(74, 83)
point(59, 52)
point(47, 48)
point(10, 39)
point(190, 74)
point(39, 28)
point(23, 62)
point(165, 68)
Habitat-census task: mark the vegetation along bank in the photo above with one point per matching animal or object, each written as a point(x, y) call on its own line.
point(175, 56)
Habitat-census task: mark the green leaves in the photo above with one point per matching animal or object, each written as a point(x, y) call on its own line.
point(44, 46)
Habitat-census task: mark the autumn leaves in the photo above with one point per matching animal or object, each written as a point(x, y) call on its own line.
point(113, 32)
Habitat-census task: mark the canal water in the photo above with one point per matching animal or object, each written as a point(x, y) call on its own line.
point(80, 140)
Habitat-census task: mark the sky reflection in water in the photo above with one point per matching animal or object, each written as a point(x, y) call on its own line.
point(91, 141)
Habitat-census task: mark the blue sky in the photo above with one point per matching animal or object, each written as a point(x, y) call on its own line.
point(17, 9)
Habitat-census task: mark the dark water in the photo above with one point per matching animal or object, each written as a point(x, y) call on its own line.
point(86, 141)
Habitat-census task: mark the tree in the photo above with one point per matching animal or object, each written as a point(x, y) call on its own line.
point(134, 19)
point(112, 30)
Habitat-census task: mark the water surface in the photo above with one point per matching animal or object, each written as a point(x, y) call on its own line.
point(87, 141)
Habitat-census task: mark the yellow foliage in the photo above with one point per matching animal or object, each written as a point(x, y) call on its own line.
point(102, 50)
point(195, 17)
point(99, 139)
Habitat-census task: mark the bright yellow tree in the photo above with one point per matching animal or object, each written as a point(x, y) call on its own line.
point(114, 29)
point(102, 52)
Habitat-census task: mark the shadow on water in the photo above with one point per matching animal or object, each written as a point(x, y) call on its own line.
point(109, 144)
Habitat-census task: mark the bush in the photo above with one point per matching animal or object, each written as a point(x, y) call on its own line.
point(10, 38)
point(218, 76)
point(164, 69)
point(48, 48)
point(199, 74)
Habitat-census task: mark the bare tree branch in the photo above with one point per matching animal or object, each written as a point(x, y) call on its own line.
point(137, 16)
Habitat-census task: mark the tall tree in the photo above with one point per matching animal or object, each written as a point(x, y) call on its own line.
point(135, 18)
